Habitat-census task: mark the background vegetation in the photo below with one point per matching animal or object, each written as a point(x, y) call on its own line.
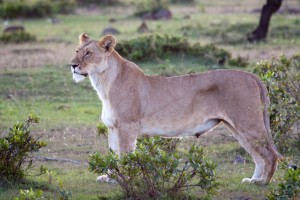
point(35, 78)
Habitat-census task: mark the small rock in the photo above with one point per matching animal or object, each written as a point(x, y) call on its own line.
point(293, 166)
point(54, 20)
point(11, 29)
point(110, 30)
point(187, 17)
point(143, 28)
point(161, 14)
point(112, 20)
point(239, 160)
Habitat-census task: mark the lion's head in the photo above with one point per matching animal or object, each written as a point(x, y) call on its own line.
point(91, 56)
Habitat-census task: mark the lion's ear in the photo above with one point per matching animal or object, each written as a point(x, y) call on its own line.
point(83, 37)
point(108, 43)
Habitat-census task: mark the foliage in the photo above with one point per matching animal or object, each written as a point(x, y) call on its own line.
point(239, 62)
point(152, 172)
point(58, 190)
point(289, 188)
point(17, 37)
point(282, 78)
point(99, 2)
point(16, 149)
point(30, 194)
point(102, 129)
point(146, 6)
point(10, 9)
point(153, 46)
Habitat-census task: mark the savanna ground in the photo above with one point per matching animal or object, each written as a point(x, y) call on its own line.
point(36, 78)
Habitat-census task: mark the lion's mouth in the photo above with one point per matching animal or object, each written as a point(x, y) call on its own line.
point(84, 74)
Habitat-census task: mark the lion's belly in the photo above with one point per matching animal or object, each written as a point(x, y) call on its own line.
point(177, 129)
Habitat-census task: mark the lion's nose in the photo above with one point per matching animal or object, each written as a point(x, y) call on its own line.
point(74, 66)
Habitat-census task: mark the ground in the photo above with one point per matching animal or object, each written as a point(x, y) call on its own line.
point(36, 78)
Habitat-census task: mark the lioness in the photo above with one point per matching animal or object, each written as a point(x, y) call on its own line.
point(189, 105)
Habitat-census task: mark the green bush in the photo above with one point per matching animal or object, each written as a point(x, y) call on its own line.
point(99, 2)
point(10, 9)
point(17, 37)
point(30, 195)
point(16, 149)
point(153, 46)
point(150, 172)
point(282, 78)
point(289, 187)
point(58, 190)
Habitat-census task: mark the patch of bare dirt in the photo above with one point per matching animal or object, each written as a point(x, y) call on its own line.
point(35, 55)
point(70, 144)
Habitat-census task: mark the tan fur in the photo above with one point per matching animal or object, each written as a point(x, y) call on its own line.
point(189, 105)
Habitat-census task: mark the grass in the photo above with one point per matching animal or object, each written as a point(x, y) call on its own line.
point(35, 78)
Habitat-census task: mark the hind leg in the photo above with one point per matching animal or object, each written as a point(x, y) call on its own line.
point(264, 156)
point(270, 159)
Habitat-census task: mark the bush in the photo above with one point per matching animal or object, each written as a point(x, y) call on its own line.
point(16, 149)
point(152, 172)
point(11, 9)
point(282, 78)
point(58, 191)
point(153, 46)
point(30, 194)
point(99, 2)
point(17, 37)
point(289, 188)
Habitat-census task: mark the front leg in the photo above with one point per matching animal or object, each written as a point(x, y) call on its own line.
point(121, 140)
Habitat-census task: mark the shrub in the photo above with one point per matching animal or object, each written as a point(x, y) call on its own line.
point(152, 172)
point(58, 191)
point(30, 195)
point(153, 46)
point(102, 129)
point(16, 149)
point(282, 79)
point(289, 187)
point(11, 9)
point(99, 2)
point(17, 37)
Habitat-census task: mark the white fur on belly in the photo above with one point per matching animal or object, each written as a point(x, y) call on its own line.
point(180, 132)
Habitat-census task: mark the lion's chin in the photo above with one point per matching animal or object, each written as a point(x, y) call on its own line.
point(77, 77)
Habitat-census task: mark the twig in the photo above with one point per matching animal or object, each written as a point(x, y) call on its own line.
point(42, 158)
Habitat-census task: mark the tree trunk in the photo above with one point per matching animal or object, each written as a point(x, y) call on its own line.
point(260, 33)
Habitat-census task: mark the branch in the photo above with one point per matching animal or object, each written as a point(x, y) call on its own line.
point(42, 158)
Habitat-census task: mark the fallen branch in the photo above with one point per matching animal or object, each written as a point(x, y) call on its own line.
point(42, 158)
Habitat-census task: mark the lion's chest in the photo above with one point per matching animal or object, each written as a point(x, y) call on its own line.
point(107, 115)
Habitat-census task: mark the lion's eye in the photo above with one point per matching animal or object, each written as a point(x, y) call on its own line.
point(87, 53)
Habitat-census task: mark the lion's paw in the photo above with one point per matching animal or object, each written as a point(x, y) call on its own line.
point(246, 180)
point(254, 180)
point(106, 179)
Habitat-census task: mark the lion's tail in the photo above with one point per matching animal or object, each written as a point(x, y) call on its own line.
point(266, 103)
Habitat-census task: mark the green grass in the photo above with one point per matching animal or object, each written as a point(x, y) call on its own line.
point(50, 93)
point(69, 112)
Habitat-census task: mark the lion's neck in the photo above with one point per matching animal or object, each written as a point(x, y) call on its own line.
point(103, 79)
